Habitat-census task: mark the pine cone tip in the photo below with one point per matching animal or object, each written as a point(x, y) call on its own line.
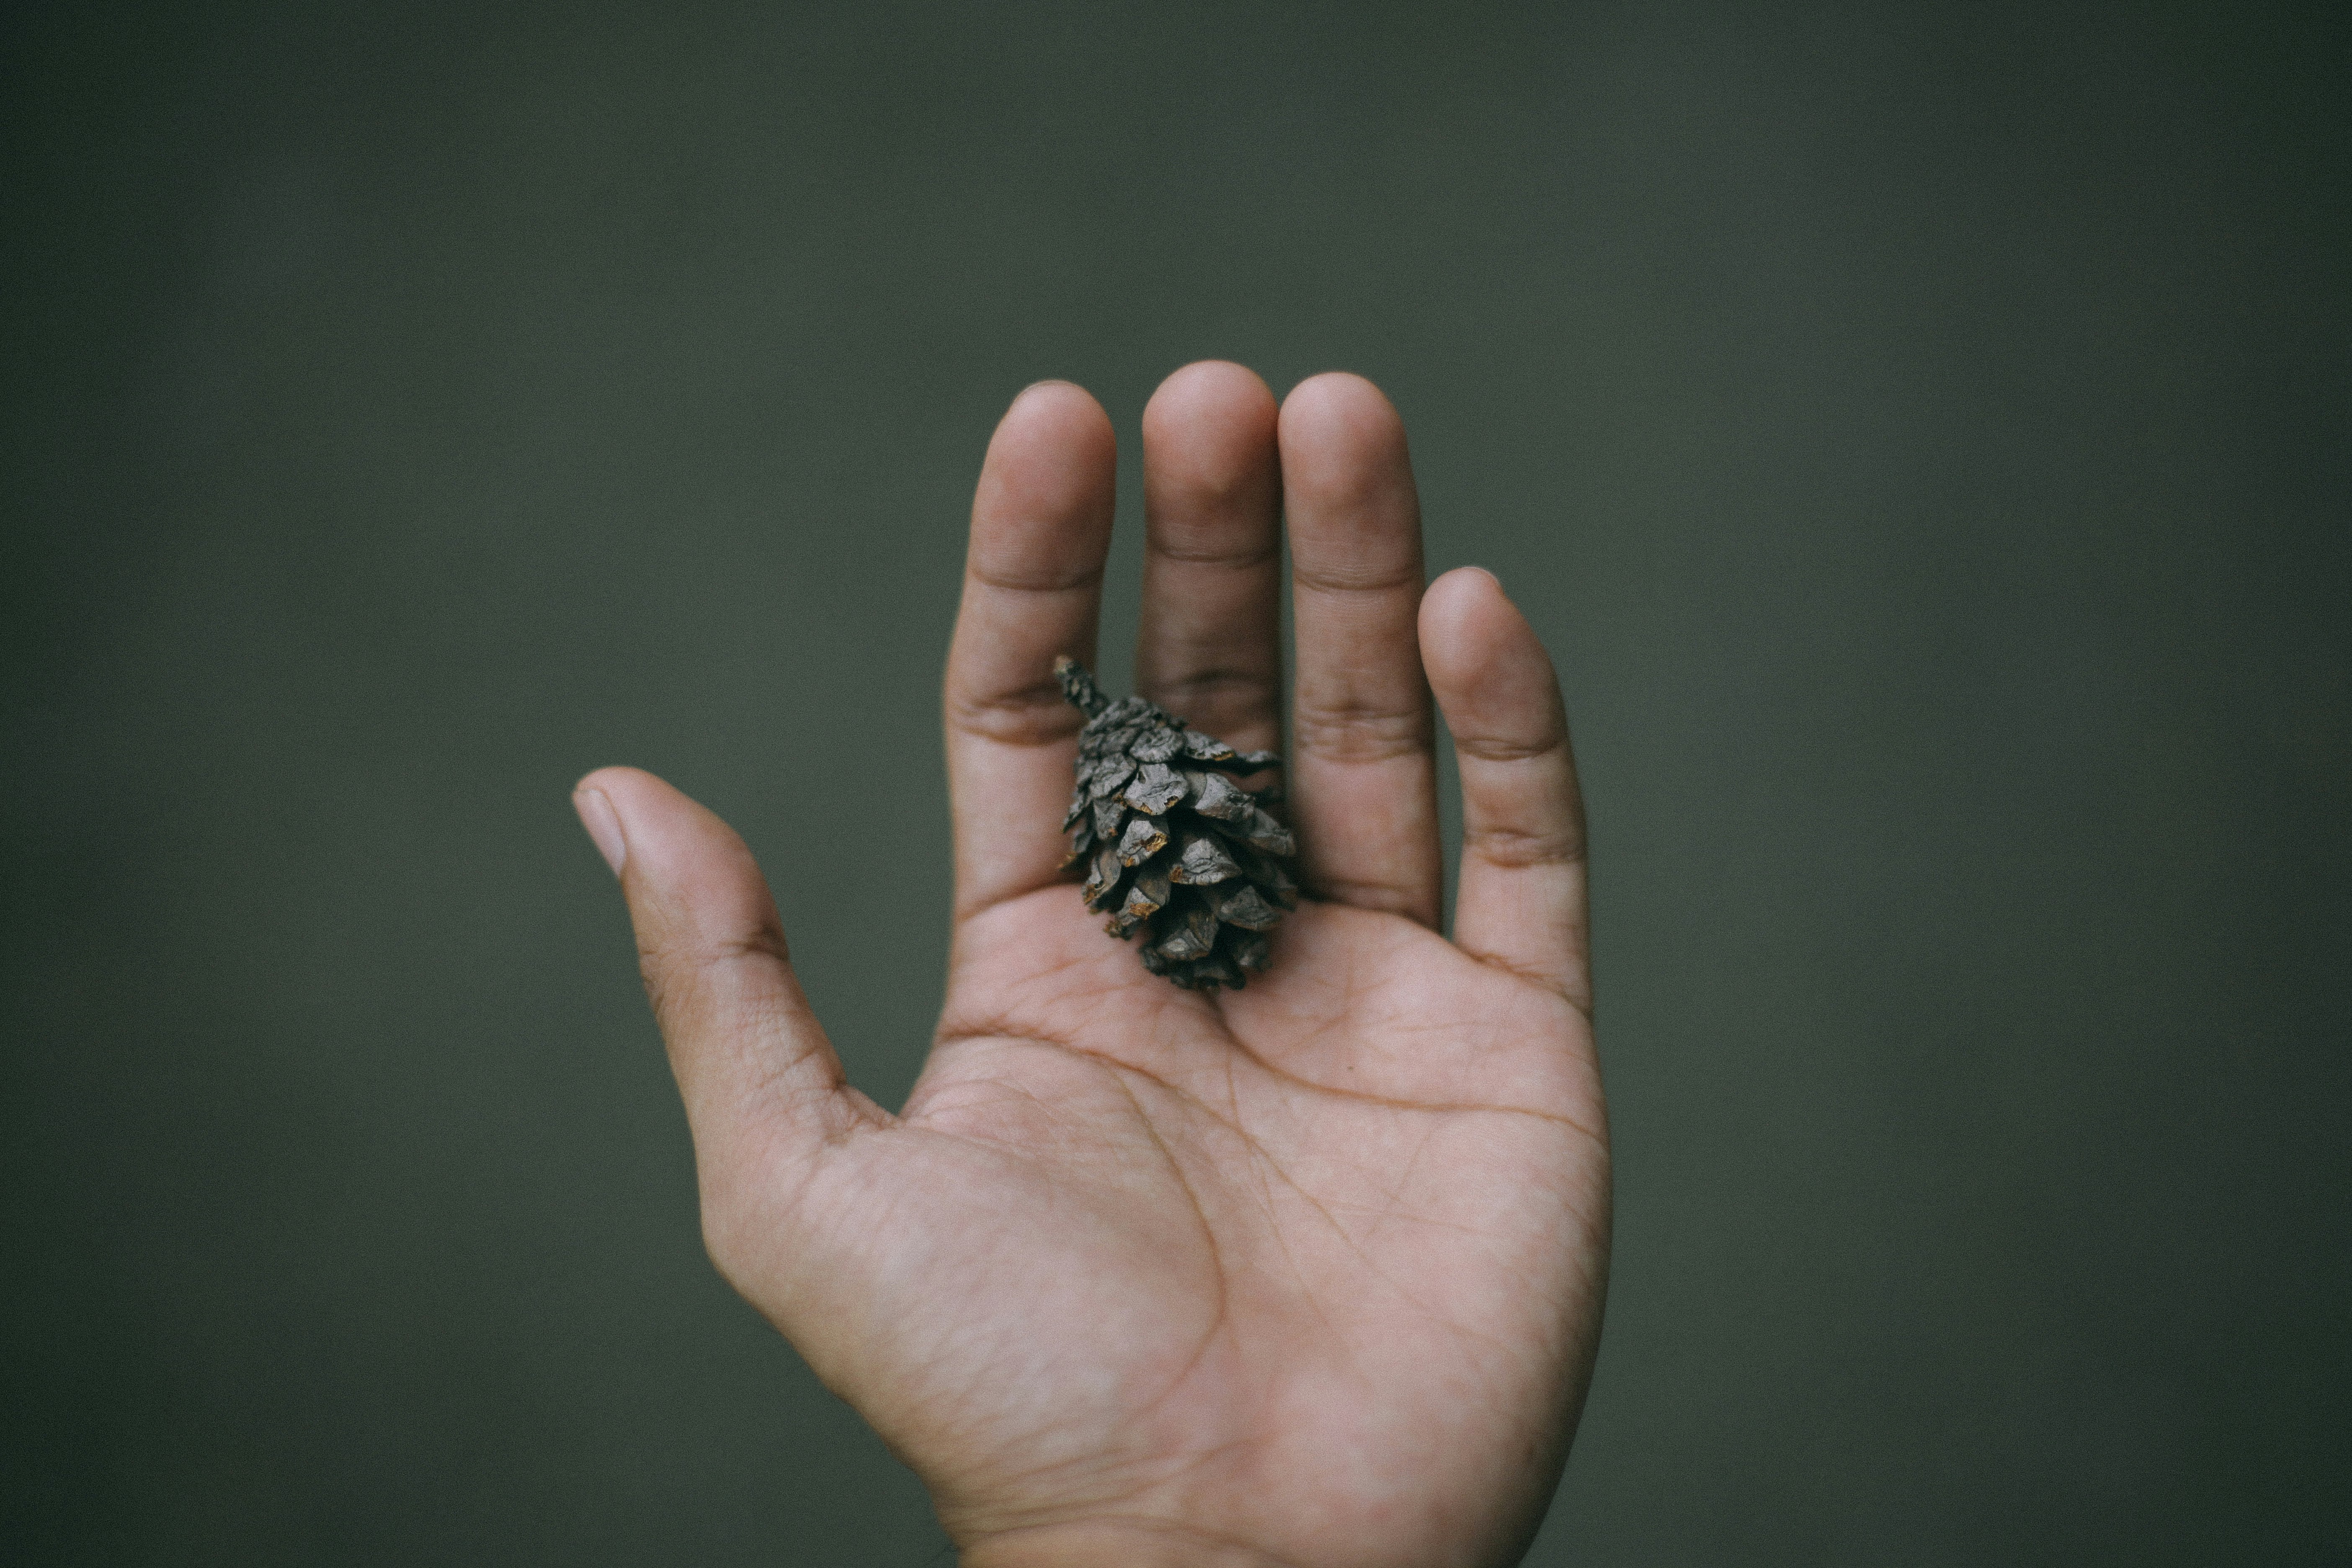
point(1079, 687)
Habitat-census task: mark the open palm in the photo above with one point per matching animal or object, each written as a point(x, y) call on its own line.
point(1307, 1273)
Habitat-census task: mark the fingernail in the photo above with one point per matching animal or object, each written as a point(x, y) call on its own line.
point(1486, 574)
point(604, 826)
point(1049, 381)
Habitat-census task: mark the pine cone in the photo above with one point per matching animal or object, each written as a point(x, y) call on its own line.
point(1173, 847)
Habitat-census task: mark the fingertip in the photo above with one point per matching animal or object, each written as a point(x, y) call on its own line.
point(1485, 664)
point(1041, 516)
point(604, 824)
point(1461, 613)
point(1210, 468)
point(611, 781)
point(1340, 395)
point(670, 845)
point(1459, 592)
point(620, 801)
point(1339, 435)
point(620, 807)
point(1215, 391)
point(1052, 410)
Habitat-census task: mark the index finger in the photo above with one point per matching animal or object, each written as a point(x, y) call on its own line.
point(1031, 590)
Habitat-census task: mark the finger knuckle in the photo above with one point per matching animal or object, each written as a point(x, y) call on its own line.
point(1354, 731)
point(1028, 716)
point(1225, 688)
point(1217, 540)
point(1047, 576)
point(1508, 748)
point(1519, 849)
point(674, 972)
point(1361, 576)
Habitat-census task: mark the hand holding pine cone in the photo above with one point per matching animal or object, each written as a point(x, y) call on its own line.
point(1073, 1211)
point(1173, 845)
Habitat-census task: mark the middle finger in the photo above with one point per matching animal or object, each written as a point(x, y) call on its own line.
point(1210, 644)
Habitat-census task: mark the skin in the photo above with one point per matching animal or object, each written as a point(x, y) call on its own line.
point(1310, 1273)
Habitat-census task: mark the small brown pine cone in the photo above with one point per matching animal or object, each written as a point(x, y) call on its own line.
point(1173, 845)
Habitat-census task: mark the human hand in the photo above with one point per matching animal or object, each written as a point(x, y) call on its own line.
point(1310, 1273)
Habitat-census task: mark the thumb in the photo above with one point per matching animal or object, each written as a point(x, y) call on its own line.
point(752, 1063)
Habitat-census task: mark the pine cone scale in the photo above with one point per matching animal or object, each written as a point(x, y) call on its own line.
point(1142, 840)
point(1155, 789)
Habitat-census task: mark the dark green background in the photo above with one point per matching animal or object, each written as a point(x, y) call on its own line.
point(1920, 434)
